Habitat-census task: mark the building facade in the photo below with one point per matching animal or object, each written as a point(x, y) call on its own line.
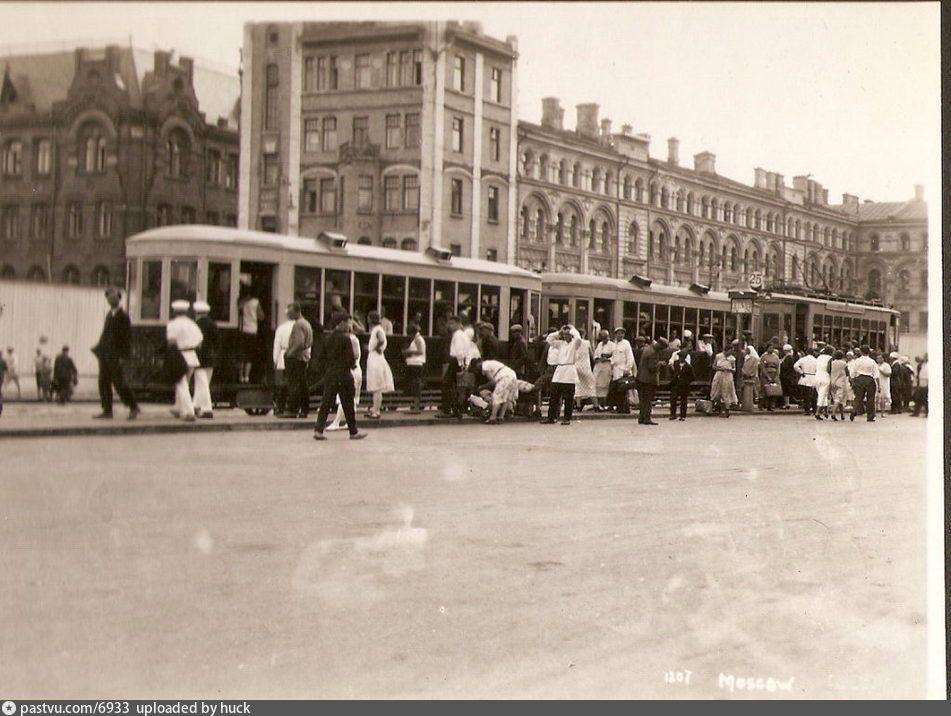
point(596, 202)
point(399, 135)
point(97, 144)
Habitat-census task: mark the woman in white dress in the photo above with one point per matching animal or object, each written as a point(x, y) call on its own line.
point(602, 368)
point(340, 420)
point(723, 387)
point(883, 384)
point(379, 375)
point(823, 382)
point(584, 388)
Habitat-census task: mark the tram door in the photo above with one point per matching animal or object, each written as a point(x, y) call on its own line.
point(257, 280)
point(802, 340)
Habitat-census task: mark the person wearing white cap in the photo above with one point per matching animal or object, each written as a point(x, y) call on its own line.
point(183, 335)
point(207, 353)
point(622, 365)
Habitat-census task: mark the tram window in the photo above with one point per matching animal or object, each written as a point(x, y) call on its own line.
point(706, 322)
point(661, 322)
point(366, 294)
point(717, 327)
point(536, 303)
point(336, 294)
point(645, 320)
point(219, 291)
point(489, 303)
point(559, 312)
point(676, 322)
point(419, 289)
point(394, 297)
point(729, 328)
point(133, 292)
point(444, 305)
point(602, 314)
point(307, 291)
point(184, 281)
point(517, 309)
point(151, 289)
point(770, 327)
point(690, 321)
point(630, 313)
point(466, 302)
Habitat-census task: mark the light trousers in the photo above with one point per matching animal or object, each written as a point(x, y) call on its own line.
point(202, 397)
point(183, 399)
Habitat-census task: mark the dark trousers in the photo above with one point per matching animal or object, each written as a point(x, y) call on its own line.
point(298, 399)
point(558, 392)
point(449, 400)
point(678, 396)
point(414, 381)
point(808, 397)
point(337, 385)
point(646, 393)
point(921, 400)
point(617, 398)
point(110, 374)
point(864, 387)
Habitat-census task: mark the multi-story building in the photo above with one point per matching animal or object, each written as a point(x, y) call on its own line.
point(594, 201)
point(96, 144)
point(399, 135)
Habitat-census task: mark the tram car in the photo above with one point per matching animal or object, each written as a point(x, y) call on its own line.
point(224, 266)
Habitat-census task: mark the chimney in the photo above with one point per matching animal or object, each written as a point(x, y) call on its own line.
point(705, 162)
point(759, 178)
point(552, 113)
point(801, 184)
point(780, 183)
point(673, 151)
point(187, 64)
point(161, 62)
point(605, 128)
point(850, 201)
point(825, 197)
point(472, 26)
point(512, 41)
point(587, 120)
point(919, 192)
point(112, 58)
point(627, 130)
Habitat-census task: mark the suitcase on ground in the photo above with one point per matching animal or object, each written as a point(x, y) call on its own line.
point(704, 406)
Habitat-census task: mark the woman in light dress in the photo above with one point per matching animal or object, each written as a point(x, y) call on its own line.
point(340, 420)
point(723, 387)
point(602, 368)
point(504, 384)
point(379, 375)
point(838, 387)
point(584, 388)
point(883, 380)
point(823, 381)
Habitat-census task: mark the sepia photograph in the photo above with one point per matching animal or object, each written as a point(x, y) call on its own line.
point(529, 350)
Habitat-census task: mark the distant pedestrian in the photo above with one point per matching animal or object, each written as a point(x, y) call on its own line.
point(13, 371)
point(65, 376)
point(547, 363)
point(518, 359)
point(250, 315)
point(883, 385)
point(648, 378)
point(681, 378)
point(296, 359)
point(563, 346)
point(723, 387)
point(921, 391)
point(281, 338)
point(823, 382)
point(184, 336)
point(457, 356)
point(340, 418)
point(415, 356)
point(504, 384)
point(838, 384)
point(489, 346)
point(338, 379)
point(379, 374)
point(805, 367)
point(602, 369)
point(3, 373)
point(864, 371)
point(769, 370)
point(43, 372)
point(207, 355)
point(114, 347)
point(623, 372)
point(788, 378)
point(584, 388)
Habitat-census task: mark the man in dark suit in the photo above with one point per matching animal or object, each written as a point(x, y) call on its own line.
point(113, 347)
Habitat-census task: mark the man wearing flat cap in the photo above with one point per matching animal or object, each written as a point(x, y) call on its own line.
point(622, 365)
point(114, 346)
point(184, 335)
point(518, 352)
point(648, 378)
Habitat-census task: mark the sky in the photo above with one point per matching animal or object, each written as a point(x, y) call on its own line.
point(848, 93)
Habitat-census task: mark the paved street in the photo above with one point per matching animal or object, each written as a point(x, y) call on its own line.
point(522, 560)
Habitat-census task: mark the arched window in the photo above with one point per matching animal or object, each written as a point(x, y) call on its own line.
point(795, 268)
point(746, 261)
point(874, 242)
point(664, 197)
point(92, 146)
point(389, 243)
point(676, 249)
point(8, 272)
point(639, 190)
point(596, 179)
point(592, 234)
point(608, 182)
point(408, 244)
point(733, 258)
point(12, 160)
point(574, 230)
point(541, 226)
point(71, 274)
point(364, 241)
point(605, 236)
point(705, 207)
point(627, 187)
point(905, 242)
point(36, 274)
point(701, 255)
point(176, 151)
point(662, 246)
point(904, 281)
point(688, 249)
point(543, 168)
point(562, 172)
point(560, 229)
point(100, 276)
point(680, 200)
point(690, 203)
point(654, 195)
point(526, 224)
point(874, 284)
point(576, 176)
point(632, 239)
point(714, 205)
point(528, 164)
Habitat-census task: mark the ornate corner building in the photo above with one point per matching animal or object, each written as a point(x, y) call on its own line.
point(97, 144)
point(593, 201)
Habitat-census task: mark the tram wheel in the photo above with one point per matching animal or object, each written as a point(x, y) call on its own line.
point(257, 411)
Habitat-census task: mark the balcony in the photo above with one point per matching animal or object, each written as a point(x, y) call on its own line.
point(348, 152)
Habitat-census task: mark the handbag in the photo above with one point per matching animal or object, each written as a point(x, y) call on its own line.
point(625, 382)
point(773, 390)
point(704, 406)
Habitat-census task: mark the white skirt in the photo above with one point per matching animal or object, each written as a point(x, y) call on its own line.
point(379, 375)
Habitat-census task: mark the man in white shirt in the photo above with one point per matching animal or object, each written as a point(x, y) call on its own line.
point(705, 344)
point(563, 345)
point(454, 370)
point(184, 335)
point(806, 368)
point(622, 364)
point(282, 337)
point(863, 370)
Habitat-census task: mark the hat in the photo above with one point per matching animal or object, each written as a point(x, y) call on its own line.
point(787, 347)
point(640, 339)
point(201, 307)
point(662, 341)
point(706, 335)
point(735, 342)
point(180, 305)
point(515, 328)
point(675, 343)
point(688, 334)
point(850, 353)
point(893, 355)
point(620, 329)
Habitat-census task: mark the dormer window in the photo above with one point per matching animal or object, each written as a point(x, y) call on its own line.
point(93, 150)
point(12, 159)
point(176, 149)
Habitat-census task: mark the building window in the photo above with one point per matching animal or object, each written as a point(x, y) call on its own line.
point(410, 193)
point(10, 225)
point(100, 276)
point(874, 244)
point(493, 203)
point(411, 67)
point(310, 74)
point(495, 135)
point(459, 73)
point(270, 97)
point(391, 193)
point(495, 85)
point(71, 275)
point(42, 150)
point(74, 219)
point(326, 73)
point(361, 131)
point(394, 130)
point(364, 241)
point(492, 255)
point(455, 249)
point(455, 205)
point(408, 244)
point(8, 272)
point(188, 215)
point(328, 196)
point(213, 174)
point(231, 220)
point(40, 221)
point(361, 73)
point(311, 135)
point(309, 198)
point(211, 218)
point(35, 274)
point(271, 168)
point(163, 215)
point(412, 130)
point(329, 137)
point(392, 69)
point(103, 220)
point(365, 193)
point(389, 243)
point(176, 148)
point(905, 242)
point(457, 134)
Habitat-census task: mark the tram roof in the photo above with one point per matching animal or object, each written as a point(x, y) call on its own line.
point(306, 244)
point(620, 283)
